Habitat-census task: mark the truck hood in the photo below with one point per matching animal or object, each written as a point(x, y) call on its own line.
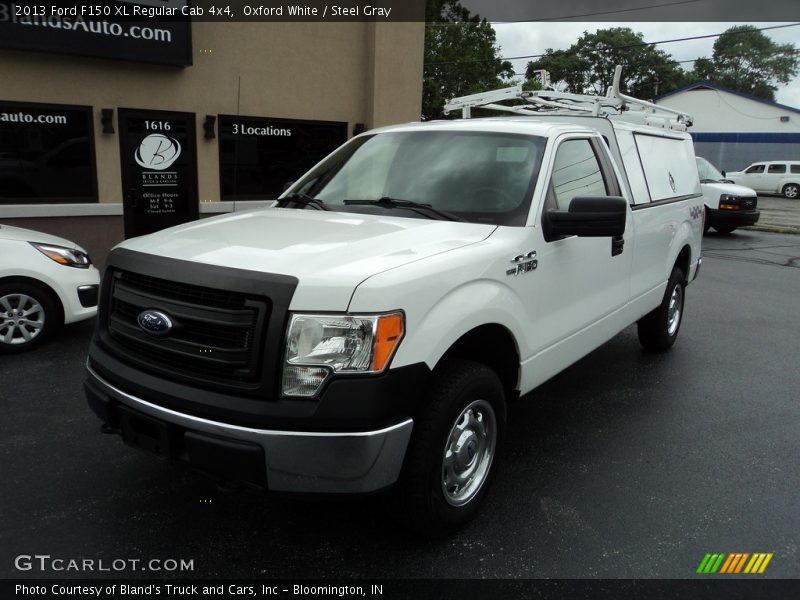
point(733, 189)
point(329, 253)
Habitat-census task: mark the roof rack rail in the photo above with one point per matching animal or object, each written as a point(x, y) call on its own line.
point(614, 105)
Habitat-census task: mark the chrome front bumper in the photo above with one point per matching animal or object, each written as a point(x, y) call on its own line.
point(299, 461)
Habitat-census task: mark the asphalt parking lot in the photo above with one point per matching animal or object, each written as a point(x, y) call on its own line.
point(625, 465)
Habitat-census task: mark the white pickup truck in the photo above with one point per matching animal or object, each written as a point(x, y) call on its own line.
point(368, 332)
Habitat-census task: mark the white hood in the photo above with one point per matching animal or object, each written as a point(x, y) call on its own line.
point(732, 189)
point(7, 232)
point(329, 252)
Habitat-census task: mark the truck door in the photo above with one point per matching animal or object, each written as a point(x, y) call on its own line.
point(578, 281)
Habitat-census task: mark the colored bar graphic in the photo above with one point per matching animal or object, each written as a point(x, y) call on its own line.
point(734, 563)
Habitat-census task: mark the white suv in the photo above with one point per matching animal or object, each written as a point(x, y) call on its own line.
point(45, 282)
point(772, 177)
point(368, 332)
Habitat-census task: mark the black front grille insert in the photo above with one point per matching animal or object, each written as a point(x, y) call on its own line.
point(217, 335)
point(749, 203)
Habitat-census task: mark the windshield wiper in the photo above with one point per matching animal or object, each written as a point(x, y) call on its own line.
point(302, 200)
point(419, 207)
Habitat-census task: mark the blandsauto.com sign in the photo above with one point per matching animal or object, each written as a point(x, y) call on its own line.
point(105, 31)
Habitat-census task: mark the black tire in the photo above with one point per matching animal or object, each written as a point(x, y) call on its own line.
point(657, 332)
point(420, 501)
point(726, 228)
point(792, 191)
point(707, 221)
point(14, 329)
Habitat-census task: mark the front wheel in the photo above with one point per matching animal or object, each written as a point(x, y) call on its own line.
point(791, 190)
point(658, 329)
point(451, 457)
point(28, 316)
point(725, 228)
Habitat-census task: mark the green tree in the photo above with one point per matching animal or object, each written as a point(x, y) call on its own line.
point(588, 65)
point(746, 60)
point(461, 56)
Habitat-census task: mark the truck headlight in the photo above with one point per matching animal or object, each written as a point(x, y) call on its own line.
point(728, 202)
point(317, 346)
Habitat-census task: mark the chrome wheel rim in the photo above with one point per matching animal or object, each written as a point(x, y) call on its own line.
point(675, 309)
point(791, 191)
point(21, 319)
point(468, 453)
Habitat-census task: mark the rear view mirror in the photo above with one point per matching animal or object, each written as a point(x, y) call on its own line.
point(287, 185)
point(602, 216)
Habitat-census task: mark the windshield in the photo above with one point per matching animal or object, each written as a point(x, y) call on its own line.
point(481, 177)
point(707, 171)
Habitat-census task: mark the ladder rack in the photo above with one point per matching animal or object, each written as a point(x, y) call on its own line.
point(614, 105)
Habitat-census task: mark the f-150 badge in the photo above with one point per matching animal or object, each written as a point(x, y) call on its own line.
point(523, 263)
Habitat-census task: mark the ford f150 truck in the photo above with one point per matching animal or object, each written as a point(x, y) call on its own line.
point(368, 332)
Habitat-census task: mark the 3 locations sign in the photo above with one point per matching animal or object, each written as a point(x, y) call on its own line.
point(153, 31)
point(259, 155)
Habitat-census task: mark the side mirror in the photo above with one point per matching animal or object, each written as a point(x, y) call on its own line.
point(723, 173)
point(602, 216)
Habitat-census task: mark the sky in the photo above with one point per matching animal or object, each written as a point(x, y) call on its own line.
point(522, 39)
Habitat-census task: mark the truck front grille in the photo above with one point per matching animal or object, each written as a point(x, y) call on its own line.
point(217, 335)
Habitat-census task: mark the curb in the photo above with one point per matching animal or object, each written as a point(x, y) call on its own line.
point(773, 228)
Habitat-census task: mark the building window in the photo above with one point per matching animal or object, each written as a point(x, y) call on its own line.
point(258, 156)
point(46, 154)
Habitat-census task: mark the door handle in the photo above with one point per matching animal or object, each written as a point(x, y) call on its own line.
point(617, 244)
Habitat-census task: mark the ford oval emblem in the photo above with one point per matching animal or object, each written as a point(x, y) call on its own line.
point(154, 322)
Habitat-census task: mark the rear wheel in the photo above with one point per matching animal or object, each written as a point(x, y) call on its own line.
point(28, 315)
point(791, 190)
point(450, 460)
point(658, 329)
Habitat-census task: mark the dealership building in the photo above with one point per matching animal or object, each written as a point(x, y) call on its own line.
point(732, 129)
point(117, 130)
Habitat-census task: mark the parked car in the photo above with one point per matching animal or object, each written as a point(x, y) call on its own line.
point(368, 332)
point(45, 282)
point(771, 177)
point(728, 205)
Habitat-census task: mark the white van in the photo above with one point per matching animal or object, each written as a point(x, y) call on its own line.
point(728, 206)
point(367, 333)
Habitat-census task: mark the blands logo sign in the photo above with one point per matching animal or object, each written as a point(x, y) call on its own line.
point(741, 562)
point(157, 151)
